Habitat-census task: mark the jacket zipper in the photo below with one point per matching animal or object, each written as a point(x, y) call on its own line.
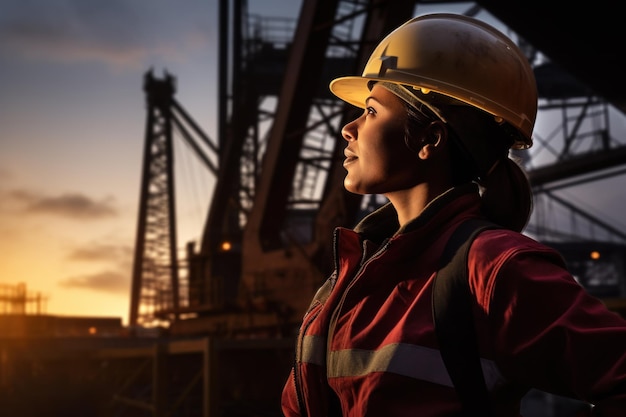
point(296, 372)
point(364, 262)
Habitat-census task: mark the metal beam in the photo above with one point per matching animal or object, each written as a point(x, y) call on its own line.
point(299, 86)
point(582, 39)
point(581, 164)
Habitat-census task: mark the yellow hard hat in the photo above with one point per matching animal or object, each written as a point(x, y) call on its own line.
point(458, 57)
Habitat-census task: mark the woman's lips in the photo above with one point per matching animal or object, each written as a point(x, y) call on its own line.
point(350, 157)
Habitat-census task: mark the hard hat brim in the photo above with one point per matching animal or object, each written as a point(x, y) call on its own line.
point(356, 89)
point(352, 89)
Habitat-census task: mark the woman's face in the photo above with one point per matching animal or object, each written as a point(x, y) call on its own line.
point(377, 158)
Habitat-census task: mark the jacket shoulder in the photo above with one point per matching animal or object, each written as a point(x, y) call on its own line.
point(503, 243)
point(495, 249)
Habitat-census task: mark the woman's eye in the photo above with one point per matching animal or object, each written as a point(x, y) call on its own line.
point(370, 110)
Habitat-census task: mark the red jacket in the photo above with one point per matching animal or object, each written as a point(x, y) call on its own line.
point(367, 341)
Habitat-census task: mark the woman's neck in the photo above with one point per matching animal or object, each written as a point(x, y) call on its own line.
point(411, 202)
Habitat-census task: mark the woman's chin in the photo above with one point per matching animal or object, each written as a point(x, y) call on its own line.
point(351, 187)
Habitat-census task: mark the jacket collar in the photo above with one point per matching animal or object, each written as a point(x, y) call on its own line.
point(383, 222)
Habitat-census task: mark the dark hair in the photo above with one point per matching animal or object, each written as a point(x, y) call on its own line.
point(417, 120)
point(507, 196)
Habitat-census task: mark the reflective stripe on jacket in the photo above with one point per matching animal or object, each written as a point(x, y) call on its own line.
point(367, 343)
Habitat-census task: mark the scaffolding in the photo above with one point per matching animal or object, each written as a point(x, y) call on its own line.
point(16, 299)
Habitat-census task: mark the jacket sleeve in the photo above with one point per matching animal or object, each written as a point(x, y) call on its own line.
point(552, 335)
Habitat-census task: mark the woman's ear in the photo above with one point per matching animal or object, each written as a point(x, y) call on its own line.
point(434, 140)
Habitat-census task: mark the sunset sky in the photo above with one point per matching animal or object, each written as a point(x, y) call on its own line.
point(72, 121)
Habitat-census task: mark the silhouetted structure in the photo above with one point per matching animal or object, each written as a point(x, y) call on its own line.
point(16, 299)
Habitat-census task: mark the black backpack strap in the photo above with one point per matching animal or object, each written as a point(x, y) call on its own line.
point(454, 324)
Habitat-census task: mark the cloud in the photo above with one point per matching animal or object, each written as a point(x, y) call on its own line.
point(110, 33)
point(71, 205)
point(111, 281)
point(102, 252)
point(114, 278)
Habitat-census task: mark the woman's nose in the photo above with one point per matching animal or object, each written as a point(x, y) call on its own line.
point(348, 132)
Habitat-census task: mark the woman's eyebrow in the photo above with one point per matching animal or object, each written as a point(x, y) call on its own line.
point(372, 98)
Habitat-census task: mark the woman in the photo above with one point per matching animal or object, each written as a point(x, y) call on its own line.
point(445, 97)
